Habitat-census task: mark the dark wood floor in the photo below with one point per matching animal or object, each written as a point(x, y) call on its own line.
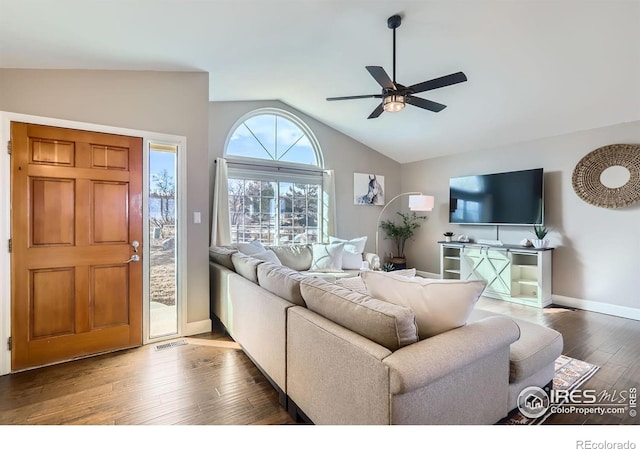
point(207, 381)
point(210, 381)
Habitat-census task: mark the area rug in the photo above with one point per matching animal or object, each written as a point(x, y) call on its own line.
point(570, 374)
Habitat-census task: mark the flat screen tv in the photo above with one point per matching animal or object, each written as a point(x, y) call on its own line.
point(510, 198)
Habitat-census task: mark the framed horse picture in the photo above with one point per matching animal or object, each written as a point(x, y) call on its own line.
point(368, 189)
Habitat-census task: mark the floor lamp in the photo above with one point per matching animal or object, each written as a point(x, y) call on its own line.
point(418, 202)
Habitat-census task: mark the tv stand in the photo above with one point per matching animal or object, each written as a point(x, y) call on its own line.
point(513, 273)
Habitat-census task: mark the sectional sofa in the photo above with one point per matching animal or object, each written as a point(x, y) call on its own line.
point(340, 356)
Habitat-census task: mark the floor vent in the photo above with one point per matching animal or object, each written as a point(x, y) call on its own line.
point(170, 345)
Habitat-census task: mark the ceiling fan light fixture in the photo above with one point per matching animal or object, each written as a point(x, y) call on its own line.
point(394, 103)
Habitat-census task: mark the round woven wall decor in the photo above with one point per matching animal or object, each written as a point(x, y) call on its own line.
point(586, 176)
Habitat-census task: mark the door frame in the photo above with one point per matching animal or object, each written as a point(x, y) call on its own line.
point(181, 218)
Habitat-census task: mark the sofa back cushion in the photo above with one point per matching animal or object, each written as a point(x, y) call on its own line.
point(222, 256)
point(256, 249)
point(281, 281)
point(296, 257)
point(250, 248)
point(246, 266)
point(440, 305)
point(387, 324)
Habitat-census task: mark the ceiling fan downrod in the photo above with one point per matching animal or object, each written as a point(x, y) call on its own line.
point(394, 22)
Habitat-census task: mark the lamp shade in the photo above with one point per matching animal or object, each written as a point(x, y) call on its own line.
point(421, 203)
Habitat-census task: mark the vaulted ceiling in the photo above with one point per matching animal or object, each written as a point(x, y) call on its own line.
point(535, 68)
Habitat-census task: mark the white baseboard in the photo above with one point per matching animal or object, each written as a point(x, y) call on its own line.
point(197, 327)
point(594, 306)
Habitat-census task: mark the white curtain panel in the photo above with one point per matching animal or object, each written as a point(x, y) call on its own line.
point(328, 205)
point(220, 227)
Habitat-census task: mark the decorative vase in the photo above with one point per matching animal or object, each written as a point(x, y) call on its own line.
point(539, 243)
point(447, 238)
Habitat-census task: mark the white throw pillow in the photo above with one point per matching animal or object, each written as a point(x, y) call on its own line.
point(268, 256)
point(440, 305)
point(353, 249)
point(327, 258)
point(250, 248)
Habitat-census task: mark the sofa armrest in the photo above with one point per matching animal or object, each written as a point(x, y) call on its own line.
point(426, 361)
point(334, 375)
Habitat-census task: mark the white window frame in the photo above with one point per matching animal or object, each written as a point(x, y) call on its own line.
point(266, 162)
point(255, 169)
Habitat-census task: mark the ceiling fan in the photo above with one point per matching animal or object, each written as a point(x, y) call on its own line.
point(394, 95)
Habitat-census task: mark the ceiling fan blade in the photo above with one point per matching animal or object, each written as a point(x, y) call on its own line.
point(377, 111)
point(379, 74)
point(354, 97)
point(425, 104)
point(437, 83)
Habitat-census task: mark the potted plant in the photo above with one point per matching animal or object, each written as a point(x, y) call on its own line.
point(388, 266)
point(400, 233)
point(541, 232)
point(447, 236)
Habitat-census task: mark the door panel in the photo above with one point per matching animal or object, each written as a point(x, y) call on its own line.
point(110, 295)
point(110, 158)
point(52, 211)
point(76, 206)
point(52, 152)
point(110, 212)
point(52, 302)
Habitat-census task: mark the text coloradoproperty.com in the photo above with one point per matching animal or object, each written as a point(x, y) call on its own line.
point(587, 410)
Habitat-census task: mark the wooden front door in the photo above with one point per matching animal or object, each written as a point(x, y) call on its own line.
point(76, 209)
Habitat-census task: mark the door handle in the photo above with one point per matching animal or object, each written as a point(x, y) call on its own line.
point(134, 258)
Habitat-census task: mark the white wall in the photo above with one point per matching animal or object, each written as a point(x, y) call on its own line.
point(595, 263)
point(341, 153)
point(163, 102)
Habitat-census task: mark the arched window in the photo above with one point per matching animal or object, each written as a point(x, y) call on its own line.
point(274, 136)
point(275, 179)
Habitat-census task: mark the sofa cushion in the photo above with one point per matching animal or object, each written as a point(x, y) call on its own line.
point(353, 283)
point(296, 257)
point(439, 305)
point(407, 272)
point(222, 256)
point(268, 256)
point(387, 324)
point(353, 249)
point(332, 276)
point(256, 249)
point(250, 248)
point(356, 283)
point(281, 281)
point(327, 258)
point(246, 266)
